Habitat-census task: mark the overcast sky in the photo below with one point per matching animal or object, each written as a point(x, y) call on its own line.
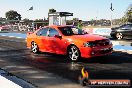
point(82, 9)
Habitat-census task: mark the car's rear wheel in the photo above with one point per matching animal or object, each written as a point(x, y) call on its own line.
point(73, 53)
point(119, 36)
point(34, 47)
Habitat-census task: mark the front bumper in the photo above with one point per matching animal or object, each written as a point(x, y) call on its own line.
point(88, 52)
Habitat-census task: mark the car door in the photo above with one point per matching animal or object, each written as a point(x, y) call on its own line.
point(56, 43)
point(127, 30)
point(130, 31)
point(42, 39)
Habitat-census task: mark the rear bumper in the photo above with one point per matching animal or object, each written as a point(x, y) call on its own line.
point(87, 52)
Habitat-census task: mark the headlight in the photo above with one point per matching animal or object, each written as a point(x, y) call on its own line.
point(89, 44)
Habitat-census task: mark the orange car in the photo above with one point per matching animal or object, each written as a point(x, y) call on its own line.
point(68, 40)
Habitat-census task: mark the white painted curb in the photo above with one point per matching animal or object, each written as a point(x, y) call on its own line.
point(5, 83)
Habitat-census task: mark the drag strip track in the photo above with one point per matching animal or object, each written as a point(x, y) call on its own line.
point(12, 43)
point(118, 65)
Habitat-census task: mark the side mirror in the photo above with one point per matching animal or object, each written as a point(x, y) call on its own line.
point(58, 36)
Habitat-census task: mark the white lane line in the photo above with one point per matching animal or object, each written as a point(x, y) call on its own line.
point(11, 36)
point(5, 83)
point(18, 37)
point(3, 35)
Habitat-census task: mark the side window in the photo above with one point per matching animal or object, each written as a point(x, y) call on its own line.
point(127, 26)
point(67, 31)
point(131, 26)
point(53, 32)
point(42, 32)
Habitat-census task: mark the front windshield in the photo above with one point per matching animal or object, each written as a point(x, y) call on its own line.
point(68, 31)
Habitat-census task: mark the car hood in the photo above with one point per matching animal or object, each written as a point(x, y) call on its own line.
point(115, 28)
point(86, 37)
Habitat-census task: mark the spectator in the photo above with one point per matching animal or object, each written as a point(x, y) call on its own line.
point(80, 24)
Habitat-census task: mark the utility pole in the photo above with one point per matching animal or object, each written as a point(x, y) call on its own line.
point(97, 17)
point(111, 8)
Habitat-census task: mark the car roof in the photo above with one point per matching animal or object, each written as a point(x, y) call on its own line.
point(125, 24)
point(59, 26)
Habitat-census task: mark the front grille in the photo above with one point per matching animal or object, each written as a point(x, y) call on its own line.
point(102, 42)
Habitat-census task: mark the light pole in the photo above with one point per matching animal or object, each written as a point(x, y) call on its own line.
point(111, 8)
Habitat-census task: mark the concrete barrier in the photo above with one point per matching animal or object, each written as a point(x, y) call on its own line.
point(99, 31)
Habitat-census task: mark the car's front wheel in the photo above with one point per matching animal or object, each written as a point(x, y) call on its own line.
point(119, 36)
point(34, 47)
point(73, 53)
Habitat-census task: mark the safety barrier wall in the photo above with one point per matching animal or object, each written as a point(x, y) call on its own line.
point(99, 31)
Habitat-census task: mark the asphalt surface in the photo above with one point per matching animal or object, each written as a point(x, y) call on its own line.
point(46, 70)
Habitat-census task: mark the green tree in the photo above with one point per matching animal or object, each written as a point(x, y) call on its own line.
point(69, 22)
point(117, 21)
point(27, 21)
point(128, 15)
point(76, 19)
point(40, 22)
point(12, 15)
